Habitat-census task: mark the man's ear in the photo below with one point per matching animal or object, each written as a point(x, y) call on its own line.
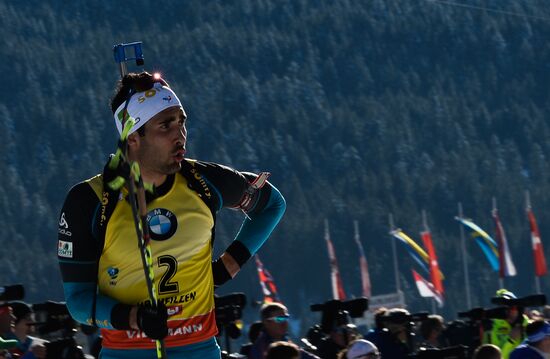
point(133, 140)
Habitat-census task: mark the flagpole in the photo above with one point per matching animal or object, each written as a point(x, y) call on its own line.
point(395, 267)
point(500, 277)
point(464, 259)
point(528, 207)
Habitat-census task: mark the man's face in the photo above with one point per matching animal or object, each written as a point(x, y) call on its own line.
point(7, 320)
point(276, 326)
point(162, 149)
point(25, 326)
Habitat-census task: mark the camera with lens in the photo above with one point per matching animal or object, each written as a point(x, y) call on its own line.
point(229, 309)
point(54, 322)
point(335, 312)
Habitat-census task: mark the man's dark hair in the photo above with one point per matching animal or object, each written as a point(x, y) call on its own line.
point(282, 350)
point(136, 82)
point(431, 323)
point(268, 309)
point(487, 351)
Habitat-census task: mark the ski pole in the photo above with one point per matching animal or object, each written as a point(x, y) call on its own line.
point(134, 183)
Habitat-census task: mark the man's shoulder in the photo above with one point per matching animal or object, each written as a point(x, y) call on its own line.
point(524, 351)
point(88, 189)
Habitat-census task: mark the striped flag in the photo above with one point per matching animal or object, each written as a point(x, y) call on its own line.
point(416, 252)
point(538, 251)
point(434, 266)
point(269, 289)
point(337, 286)
point(426, 289)
point(365, 279)
point(485, 242)
point(506, 265)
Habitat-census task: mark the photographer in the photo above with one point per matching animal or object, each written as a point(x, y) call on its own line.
point(431, 329)
point(508, 333)
point(342, 333)
point(392, 335)
point(28, 347)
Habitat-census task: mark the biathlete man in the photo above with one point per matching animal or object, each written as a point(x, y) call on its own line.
point(99, 258)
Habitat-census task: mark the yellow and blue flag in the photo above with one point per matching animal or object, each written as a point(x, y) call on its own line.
point(485, 242)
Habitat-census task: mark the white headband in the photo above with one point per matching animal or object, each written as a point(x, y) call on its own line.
point(145, 105)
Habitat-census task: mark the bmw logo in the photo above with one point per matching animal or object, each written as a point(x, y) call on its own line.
point(162, 224)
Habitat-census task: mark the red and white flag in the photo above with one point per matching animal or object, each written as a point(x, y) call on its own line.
point(337, 286)
point(435, 273)
point(538, 252)
point(365, 278)
point(269, 289)
point(426, 289)
point(506, 265)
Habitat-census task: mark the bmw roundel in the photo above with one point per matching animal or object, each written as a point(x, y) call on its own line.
point(162, 224)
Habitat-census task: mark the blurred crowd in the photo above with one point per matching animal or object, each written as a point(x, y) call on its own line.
point(514, 330)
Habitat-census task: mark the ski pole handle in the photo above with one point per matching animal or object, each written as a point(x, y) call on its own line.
point(121, 58)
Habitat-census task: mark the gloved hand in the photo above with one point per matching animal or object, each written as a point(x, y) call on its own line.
point(153, 320)
point(115, 168)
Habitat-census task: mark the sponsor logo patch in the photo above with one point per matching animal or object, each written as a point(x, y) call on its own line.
point(65, 249)
point(162, 224)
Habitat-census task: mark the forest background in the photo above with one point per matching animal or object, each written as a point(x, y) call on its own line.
point(359, 109)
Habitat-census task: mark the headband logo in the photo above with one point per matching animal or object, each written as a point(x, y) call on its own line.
point(149, 93)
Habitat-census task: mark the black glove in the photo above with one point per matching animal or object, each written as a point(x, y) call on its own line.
point(153, 320)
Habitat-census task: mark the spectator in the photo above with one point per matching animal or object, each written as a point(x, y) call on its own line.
point(487, 351)
point(508, 333)
point(283, 350)
point(253, 332)
point(392, 333)
point(430, 330)
point(537, 345)
point(28, 347)
point(340, 334)
point(275, 328)
point(360, 349)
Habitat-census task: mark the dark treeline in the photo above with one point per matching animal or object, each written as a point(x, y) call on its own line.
point(359, 109)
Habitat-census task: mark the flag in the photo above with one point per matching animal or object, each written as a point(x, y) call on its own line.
point(365, 279)
point(416, 252)
point(426, 289)
point(434, 266)
point(337, 286)
point(538, 252)
point(506, 266)
point(485, 242)
point(269, 289)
